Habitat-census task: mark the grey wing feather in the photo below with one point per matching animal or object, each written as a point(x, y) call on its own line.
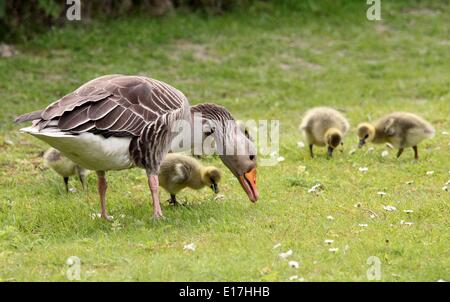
point(111, 105)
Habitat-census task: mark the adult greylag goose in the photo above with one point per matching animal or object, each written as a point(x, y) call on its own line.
point(117, 122)
point(63, 166)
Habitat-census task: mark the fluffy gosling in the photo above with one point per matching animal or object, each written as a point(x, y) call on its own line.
point(401, 129)
point(324, 126)
point(54, 160)
point(179, 171)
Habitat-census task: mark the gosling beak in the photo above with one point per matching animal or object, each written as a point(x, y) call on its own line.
point(362, 142)
point(330, 151)
point(248, 183)
point(215, 188)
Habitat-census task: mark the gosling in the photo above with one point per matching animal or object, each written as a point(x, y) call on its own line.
point(400, 129)
point(324, 126)
point(54, 160)
point(179, 171)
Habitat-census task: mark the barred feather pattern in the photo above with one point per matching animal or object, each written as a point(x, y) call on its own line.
point(118, 105)
point(225, 126)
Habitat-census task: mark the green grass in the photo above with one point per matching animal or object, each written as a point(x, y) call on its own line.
point(267, 63)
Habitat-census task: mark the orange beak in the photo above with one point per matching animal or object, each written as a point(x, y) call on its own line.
point(248, 183)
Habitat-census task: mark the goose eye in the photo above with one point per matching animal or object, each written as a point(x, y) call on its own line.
point(208, 133)
point(251, 157)
point(367, 135)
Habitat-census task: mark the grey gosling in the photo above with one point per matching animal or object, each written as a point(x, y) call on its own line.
point(400, 129)
point(179, 171)
point(54, 160)
point(324, 126)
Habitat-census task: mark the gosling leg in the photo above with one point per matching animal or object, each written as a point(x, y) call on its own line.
point(66, 183)
point(416, 153)
point(400, 151)
point(173, 200)
point(311, 150)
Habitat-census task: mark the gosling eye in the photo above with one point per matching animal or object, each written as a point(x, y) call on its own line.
point(367, 135)
point(251, 157)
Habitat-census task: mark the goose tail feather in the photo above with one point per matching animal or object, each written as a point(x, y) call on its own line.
point(35, 115)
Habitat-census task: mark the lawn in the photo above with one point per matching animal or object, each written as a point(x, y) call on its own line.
point(268, 63)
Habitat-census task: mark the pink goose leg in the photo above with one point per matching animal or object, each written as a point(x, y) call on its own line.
point(102, 186)
point(153, 184)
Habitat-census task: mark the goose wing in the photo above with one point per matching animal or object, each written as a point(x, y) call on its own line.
point(114, 105)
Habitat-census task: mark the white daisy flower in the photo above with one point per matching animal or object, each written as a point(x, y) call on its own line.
point(408, 211)
point(301, 145)
point(286, 254)
point(405, 222)
point(333, 250)
point(429, 173)
point(219, 196)
point(277, 245)
point(363, 169)
point(357, 205)
point(292, 278)
point(353, 151)
point(445, 188)
point(280, 158)
point(390, 208)
point(384, 153)
point(382, 193)
point(371, 149)
point(314, 188)
point(293, 264)
point(363, 225)
point(189, 247)
point(410, 182)
point(328, 241)
point(329, 217)
point(95, 215)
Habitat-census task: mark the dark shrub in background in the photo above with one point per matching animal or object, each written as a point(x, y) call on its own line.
point(21, 19)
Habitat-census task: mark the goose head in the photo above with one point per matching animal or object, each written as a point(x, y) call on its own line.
point(365, 132)
point(333, 138)
point(235, 148)
point(238, 153)
point(211, 177)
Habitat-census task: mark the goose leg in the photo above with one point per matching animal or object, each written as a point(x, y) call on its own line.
point(311, 150)
point(102, 186)
point(416, 153)
point(400, 151)
point(153, 184)
point(66, 183)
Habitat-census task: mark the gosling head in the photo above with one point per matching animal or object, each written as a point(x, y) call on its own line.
point(365, 132)
point(333, 137)
point(211, 178)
